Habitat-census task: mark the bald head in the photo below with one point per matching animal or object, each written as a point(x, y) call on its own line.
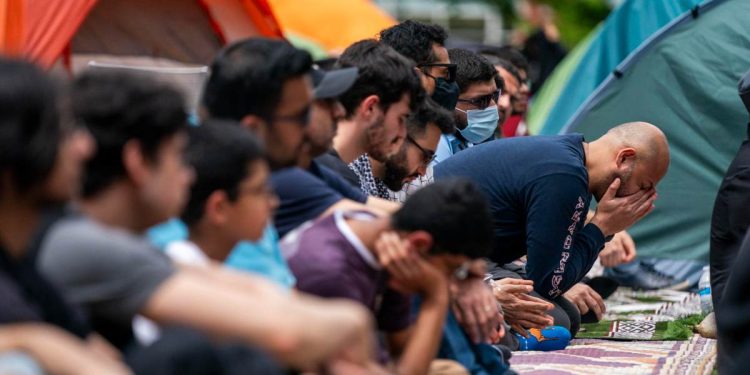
point(649, 142)
point(635, 152)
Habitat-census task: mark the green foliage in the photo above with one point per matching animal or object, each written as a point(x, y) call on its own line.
point(682, 329)
point(575, 18)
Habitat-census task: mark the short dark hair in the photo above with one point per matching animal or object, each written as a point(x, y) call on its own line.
point(509, 54)
point(220, 153)
point(430, 113)
point(414, 40)
point(471, 68)
point(382, 72)
point(454, 212)
point(118, 106)
point(29, 123)
point(248, 76)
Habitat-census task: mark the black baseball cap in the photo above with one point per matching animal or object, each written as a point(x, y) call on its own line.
point(332, 83)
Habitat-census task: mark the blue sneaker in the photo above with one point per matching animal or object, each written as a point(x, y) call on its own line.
point(545, 340)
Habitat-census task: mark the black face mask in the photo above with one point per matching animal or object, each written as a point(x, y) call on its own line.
point(446, 93)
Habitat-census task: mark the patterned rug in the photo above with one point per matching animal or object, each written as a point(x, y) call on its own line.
point(641, 333)
point(653, 315)
point(597, 357)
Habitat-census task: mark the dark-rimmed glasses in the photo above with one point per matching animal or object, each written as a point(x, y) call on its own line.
point(483, 101)
point(450, 67)
point(302, 118)
point(427, 155)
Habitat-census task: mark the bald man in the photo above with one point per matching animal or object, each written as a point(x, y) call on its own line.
point(540, 188)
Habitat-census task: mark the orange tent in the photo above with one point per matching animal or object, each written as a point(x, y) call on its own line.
point(335, 24)
point(186, 31)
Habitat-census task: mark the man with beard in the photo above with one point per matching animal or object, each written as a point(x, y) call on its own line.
point(387, 89)
point(423, 130)
point(539, 190)
point(314, 190)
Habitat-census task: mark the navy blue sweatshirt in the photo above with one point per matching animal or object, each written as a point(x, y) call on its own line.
point(537, 188)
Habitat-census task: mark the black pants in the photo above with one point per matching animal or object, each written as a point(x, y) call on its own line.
point(182, 351)
point(730, 220)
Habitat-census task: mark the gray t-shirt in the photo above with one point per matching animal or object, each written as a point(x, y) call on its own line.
point(108, 271)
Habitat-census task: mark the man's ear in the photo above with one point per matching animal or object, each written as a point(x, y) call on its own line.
point(257, 126)
point(368, 107)
point(215, 208)
point(135, 163)
point(421, 241)
point(625, 158)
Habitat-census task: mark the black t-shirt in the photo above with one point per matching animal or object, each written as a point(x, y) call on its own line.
point(26, 296)
point(333, 161)
point(337, 183)
point(302, 197)
point(306, 194)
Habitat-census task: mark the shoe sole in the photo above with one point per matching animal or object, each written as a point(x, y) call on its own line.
point(681, 286)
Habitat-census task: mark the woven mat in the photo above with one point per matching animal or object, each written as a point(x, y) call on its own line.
point(653, 315)
point(598, 357)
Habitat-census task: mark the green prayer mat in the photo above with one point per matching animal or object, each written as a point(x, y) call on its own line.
point(661, 315)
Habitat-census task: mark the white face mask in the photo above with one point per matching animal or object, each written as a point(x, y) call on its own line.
point(481, 124)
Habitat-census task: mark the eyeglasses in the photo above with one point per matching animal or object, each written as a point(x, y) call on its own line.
point(427, 155)
point(450, 67)
point(264, 190)
point(302, 118)
point(483, 101)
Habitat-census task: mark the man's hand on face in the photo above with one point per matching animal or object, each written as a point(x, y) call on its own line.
point(408, 271)
point(477, 311)
point(586, 299)
point(620, 250)
point(520, 309)
point(615, 214)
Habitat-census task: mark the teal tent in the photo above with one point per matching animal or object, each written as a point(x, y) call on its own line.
point(684, 80)
point(594, 59)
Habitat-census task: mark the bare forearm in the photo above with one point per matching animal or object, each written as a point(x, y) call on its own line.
point(300, 332)
point(243, 281)
point(423, 344)
point(57, 351)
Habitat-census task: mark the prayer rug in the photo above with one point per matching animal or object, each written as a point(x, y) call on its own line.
point(646, 315)
point(597, 357)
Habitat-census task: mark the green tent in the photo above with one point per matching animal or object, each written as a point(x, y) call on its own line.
point(684, 80)
point(592, 60)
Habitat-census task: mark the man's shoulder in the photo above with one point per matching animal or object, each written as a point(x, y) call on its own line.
point(294, 175)
point(79, 231)
point(317, 239)
point(336, 182)
point(319, 257)
point(332, 161)
point(80, 240)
